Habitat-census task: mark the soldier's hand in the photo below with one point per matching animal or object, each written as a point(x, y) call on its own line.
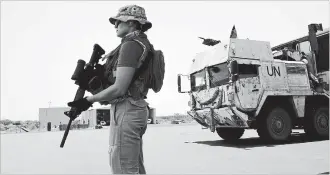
point(99, 70)
point(81, 104)
point(106, 56)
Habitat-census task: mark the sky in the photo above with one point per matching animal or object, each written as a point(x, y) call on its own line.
point(41, 42)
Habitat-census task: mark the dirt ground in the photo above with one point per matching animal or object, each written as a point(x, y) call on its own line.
point(168, 149)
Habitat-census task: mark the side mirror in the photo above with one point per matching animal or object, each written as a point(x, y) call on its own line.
point(184, 81)
point(234, 70)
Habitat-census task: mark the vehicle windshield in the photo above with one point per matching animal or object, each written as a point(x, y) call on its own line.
point(219, 75)
point(198, 81)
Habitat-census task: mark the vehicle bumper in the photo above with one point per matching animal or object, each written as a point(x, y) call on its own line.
point(222, 117)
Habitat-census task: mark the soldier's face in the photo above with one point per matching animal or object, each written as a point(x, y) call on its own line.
point(122, 28)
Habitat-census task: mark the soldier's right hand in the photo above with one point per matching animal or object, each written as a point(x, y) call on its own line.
point(99, 69)
point(105, 56)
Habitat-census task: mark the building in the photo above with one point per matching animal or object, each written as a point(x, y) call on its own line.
point(94, 117)
point(54, 115)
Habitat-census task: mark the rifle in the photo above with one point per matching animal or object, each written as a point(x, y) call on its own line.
point(82, 74)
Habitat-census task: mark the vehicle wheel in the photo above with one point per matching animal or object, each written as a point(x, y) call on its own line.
point(317, 125)
point(275, 126)
point(230, 134)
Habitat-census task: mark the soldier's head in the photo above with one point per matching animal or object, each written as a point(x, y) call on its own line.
point(130, 18)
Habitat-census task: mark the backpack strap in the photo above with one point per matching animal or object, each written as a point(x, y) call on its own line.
point(144, 60)
point(143, 66)
point(144, 53)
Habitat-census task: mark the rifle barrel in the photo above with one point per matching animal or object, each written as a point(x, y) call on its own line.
point(72, 114)
point(66, 133)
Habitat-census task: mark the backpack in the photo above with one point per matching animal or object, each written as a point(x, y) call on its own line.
point(153, 69)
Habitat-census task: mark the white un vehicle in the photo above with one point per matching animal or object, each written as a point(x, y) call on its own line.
point(246, 84)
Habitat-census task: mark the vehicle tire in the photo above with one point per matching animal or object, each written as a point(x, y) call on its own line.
point(276, 125)
point(317, 123)
point(230, 134)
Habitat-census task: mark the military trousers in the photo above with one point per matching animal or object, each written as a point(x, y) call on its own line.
point(128, 123)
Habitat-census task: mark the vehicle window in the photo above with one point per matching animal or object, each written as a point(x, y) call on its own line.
point(198, 81)
point(247, 70)
point(219, 75)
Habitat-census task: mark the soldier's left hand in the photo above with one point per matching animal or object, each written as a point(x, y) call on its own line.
point(82, 104)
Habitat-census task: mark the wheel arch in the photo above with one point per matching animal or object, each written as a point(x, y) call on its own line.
point(315, 101)
point(285, 102)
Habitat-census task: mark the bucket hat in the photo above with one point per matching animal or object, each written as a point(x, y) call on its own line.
point(132, 12)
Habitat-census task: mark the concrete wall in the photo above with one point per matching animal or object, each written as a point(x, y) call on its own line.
point(54, 115)
point(89, 115)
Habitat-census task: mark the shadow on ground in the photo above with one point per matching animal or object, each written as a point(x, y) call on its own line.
point(247, 143)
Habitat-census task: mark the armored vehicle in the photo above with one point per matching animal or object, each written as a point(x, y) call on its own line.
point(247, 84)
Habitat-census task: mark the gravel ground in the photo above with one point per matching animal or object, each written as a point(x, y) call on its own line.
point(168, 149)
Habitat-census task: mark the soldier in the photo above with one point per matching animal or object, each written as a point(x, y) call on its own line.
point(315, 84)
point(305, 59)
point(126, 93)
